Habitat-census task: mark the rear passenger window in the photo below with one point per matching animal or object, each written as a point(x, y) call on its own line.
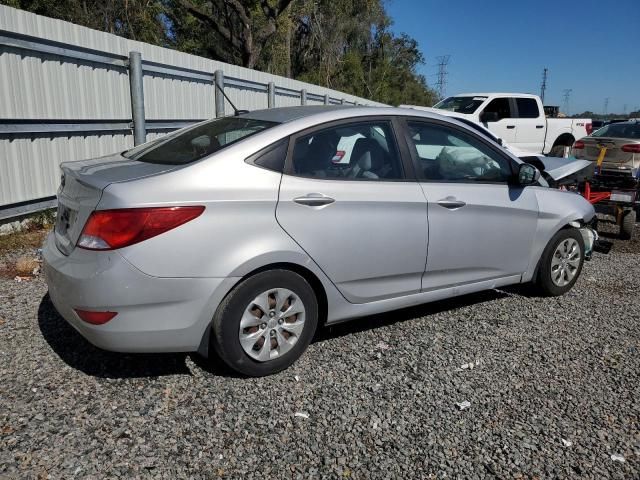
point(358, 151)
point(527, 108)
point(499, 106)
point(272, 157)
point(445, 154)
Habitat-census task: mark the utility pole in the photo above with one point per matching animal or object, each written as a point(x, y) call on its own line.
point(624, 109)
point(606, 106)
point(543, 87)
point(441, 82)
point(566, 93)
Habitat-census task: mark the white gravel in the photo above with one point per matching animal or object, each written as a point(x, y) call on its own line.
point(554, 392)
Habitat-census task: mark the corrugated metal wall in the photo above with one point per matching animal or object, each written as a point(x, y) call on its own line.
point(45, 86)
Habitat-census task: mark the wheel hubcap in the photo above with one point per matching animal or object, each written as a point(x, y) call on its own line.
point(565, 262)
point(271, 324)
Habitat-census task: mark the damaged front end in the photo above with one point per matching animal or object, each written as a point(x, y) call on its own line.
point(591, 239)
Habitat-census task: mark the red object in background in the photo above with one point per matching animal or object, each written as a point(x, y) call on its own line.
point(579, 145)
point(589, 127)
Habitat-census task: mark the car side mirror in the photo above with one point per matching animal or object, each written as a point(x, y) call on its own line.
point(528, 174)
point(486, 117)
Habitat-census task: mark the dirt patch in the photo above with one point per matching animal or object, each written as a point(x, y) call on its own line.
point(23, 240)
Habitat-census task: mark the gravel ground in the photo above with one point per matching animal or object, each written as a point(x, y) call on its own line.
point(553, 393)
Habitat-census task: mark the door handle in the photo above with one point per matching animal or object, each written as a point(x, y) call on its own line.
point(539, 126)
point(511, 126)
point(451, 203)
point(314, 200)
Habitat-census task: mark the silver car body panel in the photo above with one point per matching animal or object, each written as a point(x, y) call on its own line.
point(384, 245)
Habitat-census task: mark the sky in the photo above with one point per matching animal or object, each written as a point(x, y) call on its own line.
point(591, 47)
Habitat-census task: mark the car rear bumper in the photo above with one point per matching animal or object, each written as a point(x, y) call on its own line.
point(153, 314)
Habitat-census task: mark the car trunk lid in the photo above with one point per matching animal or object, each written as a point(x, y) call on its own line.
point(614, 155)
point(81, 187)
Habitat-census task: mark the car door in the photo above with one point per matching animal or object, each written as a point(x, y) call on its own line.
point(531, 129)
point(363, 222)
point(480, 226)
point(504, 126)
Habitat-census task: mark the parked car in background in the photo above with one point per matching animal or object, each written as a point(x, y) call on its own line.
point(518, 119)
point(615, 152)
point(243, 234)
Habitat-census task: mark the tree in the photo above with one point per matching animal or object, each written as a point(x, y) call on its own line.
point(238, 29)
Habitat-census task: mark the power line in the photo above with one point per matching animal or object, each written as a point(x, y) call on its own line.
point(441, 82)
point(566, 93)
point(543, 87)
point(606, 105)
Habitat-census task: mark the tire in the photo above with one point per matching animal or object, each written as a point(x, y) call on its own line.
point(547, 272)
point(627, 225)
point(258, 358)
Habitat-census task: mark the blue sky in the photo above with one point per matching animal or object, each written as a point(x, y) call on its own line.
point(592, 47)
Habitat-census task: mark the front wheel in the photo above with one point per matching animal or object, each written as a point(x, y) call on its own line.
point(561, 263)
point(265, 323)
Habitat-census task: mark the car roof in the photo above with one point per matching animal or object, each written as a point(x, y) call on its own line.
point(323, 113)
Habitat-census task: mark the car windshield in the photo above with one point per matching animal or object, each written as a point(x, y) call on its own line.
point(619, 130)
point(196, 142)
point(461, 104)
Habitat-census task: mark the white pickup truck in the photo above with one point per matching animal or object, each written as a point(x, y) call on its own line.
point(518, 119)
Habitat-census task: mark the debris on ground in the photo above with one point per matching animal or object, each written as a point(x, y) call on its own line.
point(382, 346)
point(567, 443)
point(301, 415)
point(617, 457)
point(463, 405)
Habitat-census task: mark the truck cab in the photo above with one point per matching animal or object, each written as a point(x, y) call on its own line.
point(518, 119)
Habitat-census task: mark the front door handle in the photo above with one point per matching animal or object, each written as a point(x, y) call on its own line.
point(451, 203)
point(314, 200)
point(511, 126)
point(539, 126)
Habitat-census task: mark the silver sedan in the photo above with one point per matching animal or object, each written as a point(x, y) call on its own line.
point(245, 233)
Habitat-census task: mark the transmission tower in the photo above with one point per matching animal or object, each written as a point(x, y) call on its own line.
point(606, 105)
point(566, 93)
point(441, 82)
point(543, 87)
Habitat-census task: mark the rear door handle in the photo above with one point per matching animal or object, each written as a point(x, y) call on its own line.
point(511, 126)
point(314, 200)
point(451, 203)
point(539, 126)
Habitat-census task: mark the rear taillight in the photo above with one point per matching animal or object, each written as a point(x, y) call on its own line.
point(95, 318)
point(631, 148)
point(579, 145)
point(111, 229)
point(589, 128)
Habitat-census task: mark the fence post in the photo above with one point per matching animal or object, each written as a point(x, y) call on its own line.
point(303, 97)
point(137, 98)
point(326, 99)
point(218, 85)
point(343, 101)
point(271, 95)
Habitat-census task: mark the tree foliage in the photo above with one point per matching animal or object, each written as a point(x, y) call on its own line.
point(347, 45)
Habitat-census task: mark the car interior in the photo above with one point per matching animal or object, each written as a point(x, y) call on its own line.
point(443, 155)
point(350, 152)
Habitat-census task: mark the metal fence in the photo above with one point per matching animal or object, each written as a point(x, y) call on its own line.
point(68, 93)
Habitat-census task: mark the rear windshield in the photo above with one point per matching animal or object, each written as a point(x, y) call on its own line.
point(461, 104)
point(193, 143)
point(619, 130)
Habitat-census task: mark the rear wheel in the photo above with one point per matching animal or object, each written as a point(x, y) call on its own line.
point(265, 323)
point(561, 263)
point(627, 224)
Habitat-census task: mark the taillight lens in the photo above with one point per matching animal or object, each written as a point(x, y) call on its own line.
point(579, 145)
point(631, 148)
point(589, 128)
point(112, 229)
point(95, 318)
